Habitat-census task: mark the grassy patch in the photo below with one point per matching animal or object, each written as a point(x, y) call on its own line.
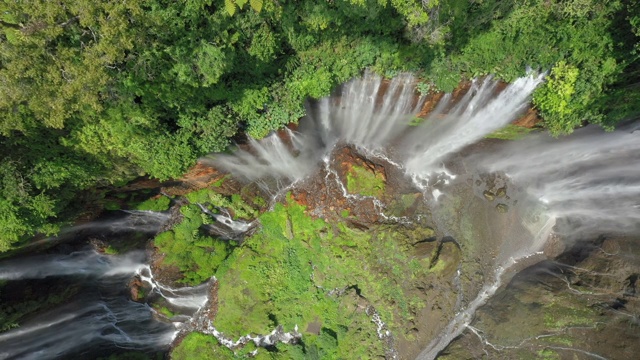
point(558, 316)
point(259, 201)
point(548, 354)
point(290, 272)
point(400, 204)
point(365, 182)
point(110, 250)
point(197, 346)
point(220, 181)
point(166, 312)
point(509, 132)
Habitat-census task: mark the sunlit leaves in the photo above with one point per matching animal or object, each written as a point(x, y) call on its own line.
point(230, 6)
point(256, 5)
point(196, 255)
point(555, 95)
point(264, 44)
point(212, 62)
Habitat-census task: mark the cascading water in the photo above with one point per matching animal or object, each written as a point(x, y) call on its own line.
point(589, 178)
point(369, 114)
point(271, 157)
point(586, 184)
point(101, 316)
point(82, 263)
point(95, 322)
point(374, 117)
point(224, 226)
point(134, 221)
point(478, 114)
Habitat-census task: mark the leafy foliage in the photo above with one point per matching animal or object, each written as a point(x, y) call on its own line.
point(199, 346)
point(21, 211)
point(554, 97)
point(234, 203)
point(196, 255)
point(285, 274)
point(160, 203)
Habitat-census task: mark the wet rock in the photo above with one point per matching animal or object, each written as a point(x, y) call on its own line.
point(502, 192)
point(136, 290)
point(98, 245)
point(489, 195)
point(430, 103)
point(630, 285)
point(314, 327)
point(529, 119)
point(502, 208)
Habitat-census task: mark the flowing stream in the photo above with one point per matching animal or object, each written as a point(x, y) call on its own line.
point(99, 317)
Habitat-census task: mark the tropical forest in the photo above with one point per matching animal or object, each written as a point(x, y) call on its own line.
point(331, 179)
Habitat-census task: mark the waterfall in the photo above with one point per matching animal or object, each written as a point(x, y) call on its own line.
point(524, 245)
point(272, 157)
point(101, 315)
point(480, 112)
point(86, 263)
point(84, 327)
point(589, 179)
point(225, 227)
point(367, 112)
point(583, 185)
point(373, 114)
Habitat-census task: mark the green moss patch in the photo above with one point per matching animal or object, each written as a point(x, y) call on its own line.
point(320, 277)
point(363, 181)
point(196, 346)
point(509, 132)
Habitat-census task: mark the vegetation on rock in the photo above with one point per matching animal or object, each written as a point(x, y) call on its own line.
point(363, 181)
point(185, 246)
point(98, 93)
point(324, 278)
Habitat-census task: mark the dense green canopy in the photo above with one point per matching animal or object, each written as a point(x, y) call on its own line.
point(98, 92)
